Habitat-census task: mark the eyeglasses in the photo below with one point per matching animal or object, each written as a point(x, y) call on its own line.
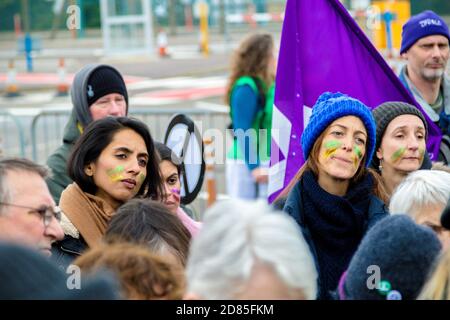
point(45, 212)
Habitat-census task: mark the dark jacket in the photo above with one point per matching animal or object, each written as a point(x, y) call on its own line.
point(296, 206)
point(79, 119)
point(57, 161)
point(64, 252)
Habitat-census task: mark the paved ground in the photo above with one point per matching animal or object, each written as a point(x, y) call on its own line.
point(185, 58)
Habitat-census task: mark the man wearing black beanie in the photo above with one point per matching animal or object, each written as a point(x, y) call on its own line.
point(97, 91)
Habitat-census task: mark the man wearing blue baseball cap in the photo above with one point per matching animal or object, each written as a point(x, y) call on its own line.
point(425, 47)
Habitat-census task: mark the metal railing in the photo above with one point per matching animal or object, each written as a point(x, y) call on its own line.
point(37, 134)
point(12, 136)
point(46, 130)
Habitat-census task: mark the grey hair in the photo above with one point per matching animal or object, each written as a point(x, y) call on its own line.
point(420, 189)
point(236, 234)
point(16, 164)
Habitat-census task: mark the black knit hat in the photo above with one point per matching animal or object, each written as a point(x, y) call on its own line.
point(105, 80)
point(27, 274)
point(401, 251)
point(387, 112)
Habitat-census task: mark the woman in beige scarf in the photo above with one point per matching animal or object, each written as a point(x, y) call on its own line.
point(112, 162)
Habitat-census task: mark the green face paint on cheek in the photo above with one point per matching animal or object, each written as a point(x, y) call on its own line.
point(332, 144)
point(141, 177)
point(358, 152)
point(358, 155)
point(421, 154)
point(116, 173)
point(331, 147)
point(398, 154)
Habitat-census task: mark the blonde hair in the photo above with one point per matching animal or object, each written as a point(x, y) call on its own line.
point(438, 285)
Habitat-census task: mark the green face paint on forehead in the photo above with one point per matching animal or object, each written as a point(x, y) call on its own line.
point(398, 154)
point(116, 173)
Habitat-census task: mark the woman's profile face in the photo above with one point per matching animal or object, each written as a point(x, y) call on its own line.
point(121, 167)
point(172, 185)
point(403, 145)
point(343, 148)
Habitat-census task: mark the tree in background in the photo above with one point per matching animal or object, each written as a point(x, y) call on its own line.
point(441, 7)
point(41, 14)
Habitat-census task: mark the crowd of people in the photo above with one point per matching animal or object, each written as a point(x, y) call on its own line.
point(365, 217)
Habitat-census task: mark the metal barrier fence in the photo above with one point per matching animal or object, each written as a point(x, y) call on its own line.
point(36, 134)
point(46, 130)
point(12, 138)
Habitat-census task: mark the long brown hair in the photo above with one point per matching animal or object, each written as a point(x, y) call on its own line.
point(252, 59)
point(312, 164)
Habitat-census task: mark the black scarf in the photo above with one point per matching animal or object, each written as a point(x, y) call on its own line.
point(337, 225)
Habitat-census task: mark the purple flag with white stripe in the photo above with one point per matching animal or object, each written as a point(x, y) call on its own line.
point(323, 49)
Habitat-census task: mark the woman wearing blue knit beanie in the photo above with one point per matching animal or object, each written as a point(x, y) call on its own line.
point(334, 197)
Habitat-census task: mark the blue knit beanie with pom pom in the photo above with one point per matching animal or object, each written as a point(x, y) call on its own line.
point(332, 106)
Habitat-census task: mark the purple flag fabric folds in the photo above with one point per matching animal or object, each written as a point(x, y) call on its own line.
point(323, 49)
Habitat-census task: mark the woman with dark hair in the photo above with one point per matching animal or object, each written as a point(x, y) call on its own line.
point(112, 162)
point(150, 223)
point(334, 198)
point(250, 94)
point(171, 170)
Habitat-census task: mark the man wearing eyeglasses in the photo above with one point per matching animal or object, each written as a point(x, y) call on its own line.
point(28, 214)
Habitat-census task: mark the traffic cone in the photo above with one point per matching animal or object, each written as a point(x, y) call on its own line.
point(17, 26)
point(62, 87)
point(12, 89)
point(162, 44)
point(250, 17)
point(204, 11)
point(209, 172)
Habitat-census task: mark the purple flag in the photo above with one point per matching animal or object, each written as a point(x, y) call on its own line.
point(323, 49)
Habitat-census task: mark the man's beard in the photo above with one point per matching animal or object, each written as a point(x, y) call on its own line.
point(432, 74)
